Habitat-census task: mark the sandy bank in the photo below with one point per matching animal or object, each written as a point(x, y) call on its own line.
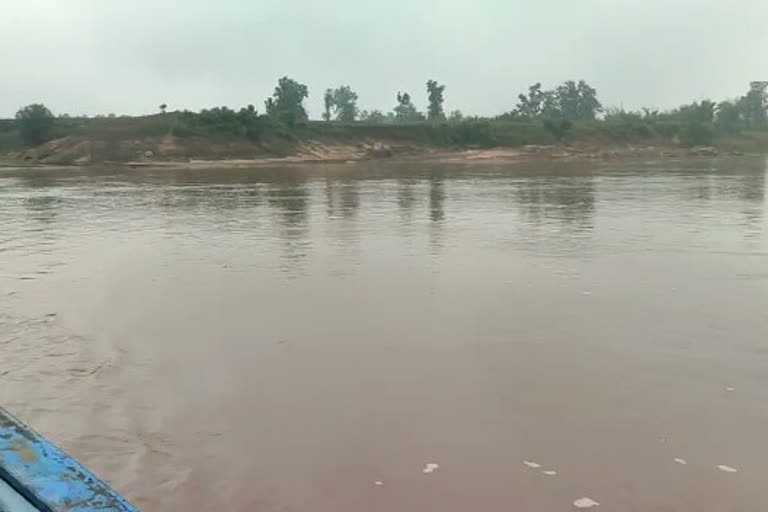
point(350, 155)
point(167, 153)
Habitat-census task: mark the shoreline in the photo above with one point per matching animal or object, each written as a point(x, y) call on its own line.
point(350, 155)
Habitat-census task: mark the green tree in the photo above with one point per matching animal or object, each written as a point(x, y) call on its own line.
point(577, 101)
point(328, 103)
point(270, 105)
point(529, 107)
point(754, 107)
point(568, 100)
point(405, 109)
point(287, 102)
point(589, 105)
point(698, 112)
point(571, 100)
point(345, 103)
point(250, 122)
point(696, 123)
point(550, 105)
point(650, 114)
point(35, 123)
point(435, 92)
point(455, 115)
point(728, 117)
point(342, 101)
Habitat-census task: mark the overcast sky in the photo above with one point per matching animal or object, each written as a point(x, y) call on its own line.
point(128, 56)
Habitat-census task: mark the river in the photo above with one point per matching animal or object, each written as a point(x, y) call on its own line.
point(310, 338)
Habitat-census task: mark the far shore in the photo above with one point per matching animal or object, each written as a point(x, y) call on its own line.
point(343, 155)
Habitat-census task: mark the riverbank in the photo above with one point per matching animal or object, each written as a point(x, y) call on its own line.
point(158, 141)
point(471, 156)
point(318, 153)
point(349, 155)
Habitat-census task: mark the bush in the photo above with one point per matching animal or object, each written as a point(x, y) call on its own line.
point(222, 121)
point(463, 133)
point(558, 129)
point(697, 133)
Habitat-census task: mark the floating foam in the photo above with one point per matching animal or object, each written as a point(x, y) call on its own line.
point(585, 503)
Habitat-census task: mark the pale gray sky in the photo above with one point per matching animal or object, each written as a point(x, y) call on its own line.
point(128, 56)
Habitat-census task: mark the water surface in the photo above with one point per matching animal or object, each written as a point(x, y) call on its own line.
point(283, 339)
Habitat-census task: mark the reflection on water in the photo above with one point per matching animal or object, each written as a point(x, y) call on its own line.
point(290, 205)
point(312, 338)
point(406, 197)
point(436, 198)
point(570, 200)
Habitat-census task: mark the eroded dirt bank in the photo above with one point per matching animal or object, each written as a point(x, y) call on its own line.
point(176, 152)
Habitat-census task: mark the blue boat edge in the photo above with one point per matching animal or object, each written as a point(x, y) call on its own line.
point(46, 477)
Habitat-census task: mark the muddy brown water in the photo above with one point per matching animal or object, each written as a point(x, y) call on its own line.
point(283, 339)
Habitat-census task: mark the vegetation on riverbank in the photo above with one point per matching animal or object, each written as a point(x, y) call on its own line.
point(570, 114)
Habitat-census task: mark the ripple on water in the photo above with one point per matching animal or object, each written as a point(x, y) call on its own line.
point(467, 290)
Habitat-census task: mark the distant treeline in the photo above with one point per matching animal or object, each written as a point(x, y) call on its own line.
point(555, 111)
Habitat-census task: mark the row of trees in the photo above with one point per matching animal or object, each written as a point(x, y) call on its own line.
point(701, 121)
point(747, 112)
point(572, 101)
point(341, 105)
point(286, 108)
point(555, 108)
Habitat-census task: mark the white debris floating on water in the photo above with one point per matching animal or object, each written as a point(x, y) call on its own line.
point(727, 469)
point(430, 468)
point(534, 465)
point(585, 503)
point(681, 461)
point(550, 472)
point(378, 482)
point(730, 389)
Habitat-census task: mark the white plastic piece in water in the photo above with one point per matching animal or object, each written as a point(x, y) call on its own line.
point(550, 472)
point(585, 503)
point(681, 461)
point(533, 465)
point(430, 468)
point(730, 389)
point(378, 482)
point(727, 469)
point(586, 293)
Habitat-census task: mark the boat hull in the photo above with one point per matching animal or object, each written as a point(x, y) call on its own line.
point(35, 475)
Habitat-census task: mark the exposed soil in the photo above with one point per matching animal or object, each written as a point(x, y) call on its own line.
point(169, 151)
